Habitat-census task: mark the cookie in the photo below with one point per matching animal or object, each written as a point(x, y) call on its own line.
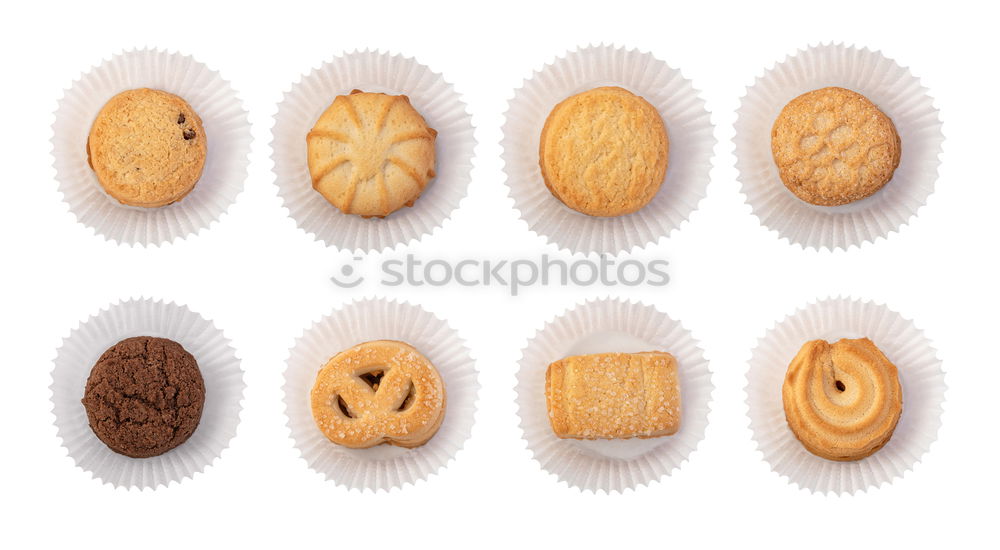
point(833, 146)
point(371, 154)
point(604, 152)
point(614, 396)
point(144, 396)
point(147, 148)
point(842, 401)
point(382, 391)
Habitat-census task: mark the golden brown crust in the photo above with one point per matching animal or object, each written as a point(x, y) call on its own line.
point(842, 401)
point(604, 152)
point(147, 148)
point(371, 154)
point(614, 395)
point(382, 391)
point(833, 146)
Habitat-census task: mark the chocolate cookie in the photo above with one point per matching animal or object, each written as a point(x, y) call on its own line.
point(147, 148)
point(144, 396)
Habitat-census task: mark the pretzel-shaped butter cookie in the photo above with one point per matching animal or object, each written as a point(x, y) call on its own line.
point(382, 391)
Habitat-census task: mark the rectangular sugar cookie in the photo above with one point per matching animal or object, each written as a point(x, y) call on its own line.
point(614, 395)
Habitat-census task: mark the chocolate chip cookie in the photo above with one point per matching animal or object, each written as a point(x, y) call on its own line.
point(147, 148)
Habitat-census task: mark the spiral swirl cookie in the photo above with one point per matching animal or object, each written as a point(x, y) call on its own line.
point(147, 148)
point(378, 392)
point(371, 154)
point(842, 401)
point(833, 146)
point(604, 152)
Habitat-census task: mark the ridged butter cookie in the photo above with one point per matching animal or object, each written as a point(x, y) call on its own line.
point(604, 152)
point(842, 400)
point(147, 148)
point(371, 154)
point(833, 146)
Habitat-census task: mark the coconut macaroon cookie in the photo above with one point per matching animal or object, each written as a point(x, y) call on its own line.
point(603, 152)
point(147, 148)
point(843, 400)
point(371, 154)
point(833, 146)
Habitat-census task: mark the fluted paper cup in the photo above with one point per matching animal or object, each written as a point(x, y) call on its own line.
point(381, 467)
point(894, 90)
point(689, 129)
point(227, 130)
point(612, 326)
point(370, 71)
point(220, 370)
point(920, 375)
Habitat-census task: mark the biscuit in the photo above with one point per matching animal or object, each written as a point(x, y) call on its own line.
point(833, 146)
point(614, 396)
point(378, 392)
point(147, 148)
point(144, 396)
point(604, 152)
point(371, 154)
point(842, 401)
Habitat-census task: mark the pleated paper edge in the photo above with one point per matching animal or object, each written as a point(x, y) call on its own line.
point(870, 484)
point(239, 163)
point(508, 157)
point(462, 432)
point(701, 370)
point(463, 175)
point(848, 243)
point(203, 465)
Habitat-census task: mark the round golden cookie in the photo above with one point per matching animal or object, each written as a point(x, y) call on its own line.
point(382, 391)
point(371, 154)
point(833, 146)
point(604, 152)
point(842, 401)
point(147, 148)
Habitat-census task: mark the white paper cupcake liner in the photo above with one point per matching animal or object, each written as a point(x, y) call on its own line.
point(226, 126)
point(920, 375)
point(688, 126)
point(894, 90)
point(384, 466)
point(432, 96)
point(612, 326)
point(219, 367)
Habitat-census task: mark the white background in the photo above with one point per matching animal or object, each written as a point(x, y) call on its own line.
point(261, 279)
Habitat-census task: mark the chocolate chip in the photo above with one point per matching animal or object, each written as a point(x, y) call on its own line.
point(180, 118)
point(188, 134)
